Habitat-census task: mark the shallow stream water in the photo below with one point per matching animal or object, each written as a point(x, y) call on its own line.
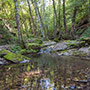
point(47, 72)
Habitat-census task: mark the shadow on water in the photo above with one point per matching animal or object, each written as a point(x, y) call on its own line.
point(47, 72)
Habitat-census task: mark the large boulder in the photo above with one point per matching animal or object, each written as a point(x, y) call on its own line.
point(60, 46)
point(85, 50)
point(71, 52)
point(12, 57)
point(68, 44)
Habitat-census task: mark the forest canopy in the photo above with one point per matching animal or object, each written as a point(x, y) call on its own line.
point(47, 19)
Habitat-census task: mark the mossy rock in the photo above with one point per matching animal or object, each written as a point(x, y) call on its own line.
point(3, 52)
point(87, 40)
point(56, 40)
point(76, 44)
point(15, 57)
point(73, 52)
point(34, 46)
point(25, 51)
point(79, 53)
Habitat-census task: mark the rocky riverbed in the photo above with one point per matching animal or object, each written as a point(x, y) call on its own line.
point(68, 47)
point(63, 48)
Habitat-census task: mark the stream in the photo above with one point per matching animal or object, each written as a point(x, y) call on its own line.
point(47, 72)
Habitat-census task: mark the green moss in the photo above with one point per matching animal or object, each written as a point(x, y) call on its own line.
point(33, 46)
point(15, 48)
point(63, 51)
point(4, 52)
point(76, 43)
point(56, 40)
point(86, 33)
point(15, 57)
point(25, 51)
point(79, 53)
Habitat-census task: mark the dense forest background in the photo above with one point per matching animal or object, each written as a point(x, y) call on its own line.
point(22, 20)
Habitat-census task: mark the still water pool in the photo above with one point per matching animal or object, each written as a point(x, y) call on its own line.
point(47, 72)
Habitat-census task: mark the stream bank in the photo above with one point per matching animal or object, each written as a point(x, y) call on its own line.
point(14, 54)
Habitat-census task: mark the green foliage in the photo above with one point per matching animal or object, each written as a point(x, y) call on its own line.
point(27, 28)
point(15, 49)
point(33, 46)
point(86, 33)
point(6, 36)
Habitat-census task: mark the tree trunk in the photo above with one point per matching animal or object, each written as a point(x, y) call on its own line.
point(89, 10)
point(59, 23)
point(73, 23)
point(35, 28)
point(54, 19)
point(18, 22)
point(43, 9)
point(31, 28)
point(64, 16)
point(39, 18)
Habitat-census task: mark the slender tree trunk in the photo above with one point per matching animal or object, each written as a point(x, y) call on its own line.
point(18, 22)
point(59, 23)
point(73, 22)
point(43, 9)
point(89, 10)
point(54, 19)
point(31, 28)
point(54, 34)
point(39, 18)
point(35, 28)
point(64, 16)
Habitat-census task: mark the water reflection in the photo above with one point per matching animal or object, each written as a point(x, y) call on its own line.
point(48, 72)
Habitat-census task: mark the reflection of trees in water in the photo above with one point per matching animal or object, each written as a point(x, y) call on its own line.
point(12, 77)
point(57, 72)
